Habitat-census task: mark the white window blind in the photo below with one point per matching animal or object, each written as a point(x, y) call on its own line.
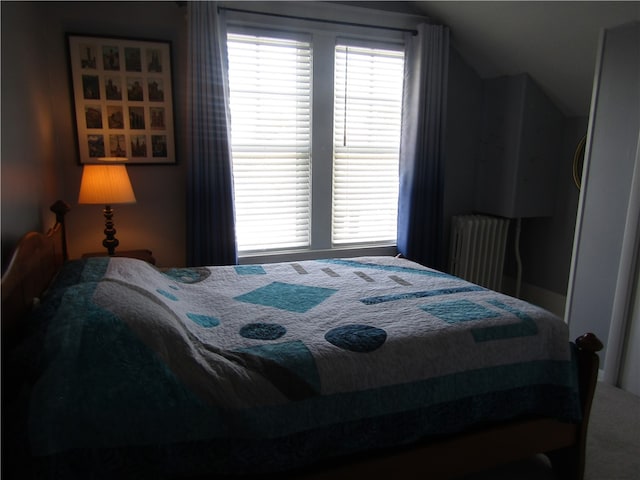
point(270, 92)
point(367, 118)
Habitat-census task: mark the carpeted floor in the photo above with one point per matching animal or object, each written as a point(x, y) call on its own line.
point(613, 443)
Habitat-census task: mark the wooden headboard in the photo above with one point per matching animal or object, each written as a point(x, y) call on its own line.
point(35, 261)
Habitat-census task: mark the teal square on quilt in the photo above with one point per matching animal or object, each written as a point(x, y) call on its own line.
point(250, 270)
point(285, 296)
point(459, 311)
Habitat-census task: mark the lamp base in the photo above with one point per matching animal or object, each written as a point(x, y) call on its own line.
point(110, 242)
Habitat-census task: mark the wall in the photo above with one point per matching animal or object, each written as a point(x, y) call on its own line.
point(630, 371)
point(156, 221)
point(39, 160)
point(464, 112)
point(27, 142)
point(546, 242)
point(609, 165)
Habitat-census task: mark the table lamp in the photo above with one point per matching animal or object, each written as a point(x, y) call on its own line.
point(107, 183)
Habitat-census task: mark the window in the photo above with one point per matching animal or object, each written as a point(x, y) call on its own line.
point(315, 129)
point(367, 113)
point(270, 87)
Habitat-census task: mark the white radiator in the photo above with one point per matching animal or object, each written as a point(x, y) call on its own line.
point(478, 244)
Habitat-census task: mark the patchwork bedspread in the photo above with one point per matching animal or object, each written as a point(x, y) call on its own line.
point(258, 368)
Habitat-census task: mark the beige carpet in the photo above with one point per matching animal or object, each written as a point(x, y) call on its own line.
point(613, 443)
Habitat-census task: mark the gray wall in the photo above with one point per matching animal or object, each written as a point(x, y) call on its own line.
point(464, 114)
point(38, 139)
point(609, 165)
point(39, 159)
point(546, 242)
point(27, 143)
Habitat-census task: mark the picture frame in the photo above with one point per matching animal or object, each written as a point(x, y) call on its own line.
point(123, 99)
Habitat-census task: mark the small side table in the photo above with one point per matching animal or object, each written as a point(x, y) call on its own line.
point(143, 254)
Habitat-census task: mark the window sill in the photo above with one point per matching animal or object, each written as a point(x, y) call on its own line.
point(300, 255)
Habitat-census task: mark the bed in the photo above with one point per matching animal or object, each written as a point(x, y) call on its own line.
point(376, 366)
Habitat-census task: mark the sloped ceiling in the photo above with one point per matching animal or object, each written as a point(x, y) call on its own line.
point(556, 42)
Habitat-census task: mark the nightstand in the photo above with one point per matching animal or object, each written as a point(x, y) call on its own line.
point(143, 254)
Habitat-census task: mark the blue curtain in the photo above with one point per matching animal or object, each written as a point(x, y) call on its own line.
point(420, 202)
point(211, 236)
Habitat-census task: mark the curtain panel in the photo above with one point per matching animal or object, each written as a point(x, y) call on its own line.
point(420, 202)
point(211, 238)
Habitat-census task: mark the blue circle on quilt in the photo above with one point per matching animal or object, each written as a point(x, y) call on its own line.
point(263, 331)
point(188, 275)
point(357, 338)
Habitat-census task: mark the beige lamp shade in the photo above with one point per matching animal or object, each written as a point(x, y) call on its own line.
point(106, 185)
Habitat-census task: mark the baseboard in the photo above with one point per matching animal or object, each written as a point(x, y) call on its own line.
point(551, 301)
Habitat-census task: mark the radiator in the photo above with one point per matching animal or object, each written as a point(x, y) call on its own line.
point(478, 244)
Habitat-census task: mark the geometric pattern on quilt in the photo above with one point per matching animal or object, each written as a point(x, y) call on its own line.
point(250, 270)
point(308, 345)
point(285, 296)
point(459, 311)
point(421, 294)
point(188, 275)
point(296, 374)
point(526, 327)
point(357, 338)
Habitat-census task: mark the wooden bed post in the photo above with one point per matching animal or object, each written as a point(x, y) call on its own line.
point(570, 462)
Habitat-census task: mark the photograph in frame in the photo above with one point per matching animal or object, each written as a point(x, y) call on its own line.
point(123, 99)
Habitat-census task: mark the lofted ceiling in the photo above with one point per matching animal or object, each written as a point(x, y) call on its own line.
point(556, 42)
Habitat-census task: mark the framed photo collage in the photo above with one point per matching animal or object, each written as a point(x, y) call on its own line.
point(123, 99)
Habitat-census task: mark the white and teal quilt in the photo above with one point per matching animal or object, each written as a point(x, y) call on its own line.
point(260, 368)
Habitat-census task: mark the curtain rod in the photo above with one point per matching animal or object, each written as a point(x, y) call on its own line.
point(319, 20)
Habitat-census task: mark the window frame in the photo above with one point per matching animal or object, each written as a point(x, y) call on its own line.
point(324, 38)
